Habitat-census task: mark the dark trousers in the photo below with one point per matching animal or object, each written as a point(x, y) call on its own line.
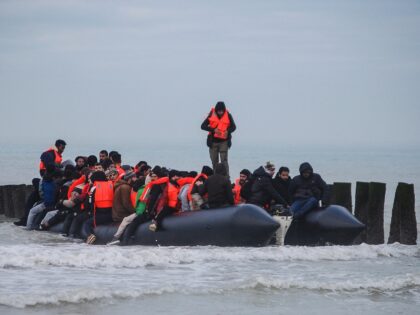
point(131, 229)
point(219, 153)
point(76, 222)
point(166, 211)
point(301, 207)
point(102, 216)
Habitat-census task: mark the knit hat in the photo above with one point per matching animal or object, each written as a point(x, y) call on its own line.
point(129, 175)
point(207, 170)
point(245, 172)
point(220, 106)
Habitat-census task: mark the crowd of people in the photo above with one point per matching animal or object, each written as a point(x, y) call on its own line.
point(99, 191)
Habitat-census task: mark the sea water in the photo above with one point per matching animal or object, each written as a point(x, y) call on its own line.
point(42, 273)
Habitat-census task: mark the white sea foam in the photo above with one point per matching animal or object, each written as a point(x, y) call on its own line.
point(83, 256)
point(387, 285)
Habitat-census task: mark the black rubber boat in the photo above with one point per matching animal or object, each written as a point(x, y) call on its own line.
point(333, 225)
point(244, 225)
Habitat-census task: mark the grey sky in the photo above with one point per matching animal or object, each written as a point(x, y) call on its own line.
point(321, 72)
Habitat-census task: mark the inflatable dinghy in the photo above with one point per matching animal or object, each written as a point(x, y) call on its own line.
point(243, 225)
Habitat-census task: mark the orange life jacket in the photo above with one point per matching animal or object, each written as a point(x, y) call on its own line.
point(104, 194)
point(146, 192)
point(76, 183)
point(173, 192)
point(57, 160)
point(185, 181)
point(193, 183)
point(237, 192)
point(221, 124)
point(133, 197)
point(120, 170)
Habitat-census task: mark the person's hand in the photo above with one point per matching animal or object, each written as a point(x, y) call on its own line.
point(199, 183)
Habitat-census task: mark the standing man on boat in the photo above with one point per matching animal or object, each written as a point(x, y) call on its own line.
point(220, 126)
point(53, 156)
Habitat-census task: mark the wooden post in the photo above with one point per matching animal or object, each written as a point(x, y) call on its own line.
point(1, 200)
point(19, 200)
point(403, 222)
point(361, 208)
point(375, 220)
point(341, 195)
point(7, 201)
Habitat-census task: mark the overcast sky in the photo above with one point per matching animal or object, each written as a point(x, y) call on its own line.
point(320, 72)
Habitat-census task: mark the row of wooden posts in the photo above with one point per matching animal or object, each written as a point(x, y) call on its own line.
point(369, 208)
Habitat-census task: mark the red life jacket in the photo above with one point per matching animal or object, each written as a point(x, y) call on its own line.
point(237, 192)
point(185, 181)
point(57, 159)
point(104, 194)
point(133, 197)
point(146, 192)
point(221, 124)
point(76, 183)
point(193, 184)
point(173, 192)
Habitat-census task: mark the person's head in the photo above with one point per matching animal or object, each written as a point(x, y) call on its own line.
point(220, 109)
point(68, 171)
point(116, 158)
point(270, 168)
point(99, 167)
point(111, 154)
point(144, 170)
point(112, 174)
point(284, 173)
point(244, 176)
point(306, 170)
point(98, 176)
point(138, 184)
point(140, 164)
point(92, 160)
point(103, 155)
point(220, 169)
point(130, 177)
point(60, 145)
point(157, 170)
point(106, 163)
point(207, 170)
point(80, 162)
point(174, 175)
point(192, 174)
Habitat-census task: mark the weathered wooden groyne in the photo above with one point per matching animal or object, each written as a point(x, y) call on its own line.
point(368, 208)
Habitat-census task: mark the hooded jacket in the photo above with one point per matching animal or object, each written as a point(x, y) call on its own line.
point(122, 206)
point(314, 186)
point(262, 190)
point(218, 188)
point(282, 187)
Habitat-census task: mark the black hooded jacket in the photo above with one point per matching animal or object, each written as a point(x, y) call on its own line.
point(218, 188)
point(262, 190)
point(314, 186)
point(282, 187)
